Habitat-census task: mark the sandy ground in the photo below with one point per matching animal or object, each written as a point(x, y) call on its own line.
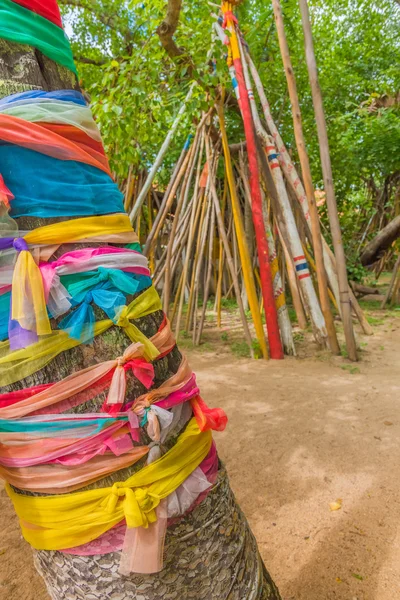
point(303, 433)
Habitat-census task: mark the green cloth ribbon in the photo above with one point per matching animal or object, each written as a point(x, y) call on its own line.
point(20, 25)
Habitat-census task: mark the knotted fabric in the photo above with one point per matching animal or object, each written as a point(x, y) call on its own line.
point(68, 520)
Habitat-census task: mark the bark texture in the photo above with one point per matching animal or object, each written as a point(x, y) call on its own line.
point(381, 242)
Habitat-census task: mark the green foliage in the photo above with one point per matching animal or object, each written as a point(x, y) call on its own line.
point(137, 88)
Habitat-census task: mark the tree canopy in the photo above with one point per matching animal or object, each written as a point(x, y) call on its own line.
point(137, 69)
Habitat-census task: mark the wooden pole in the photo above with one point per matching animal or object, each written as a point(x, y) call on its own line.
point(168, 276)
point(208, 277)
point(293, 284)
point(285, 325)
point(160, 156)
point(175, 173)
point(247, 269)
point(195, 213)
point(328, 183)
point(229, 261)
point(285, 209)
point(275, 344)
point(392, 282)
point(306, 171)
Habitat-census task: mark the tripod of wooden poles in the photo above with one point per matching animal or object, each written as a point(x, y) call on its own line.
point(238, 220)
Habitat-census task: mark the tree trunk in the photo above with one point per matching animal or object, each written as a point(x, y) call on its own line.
point(74, 577)
point(381, 242)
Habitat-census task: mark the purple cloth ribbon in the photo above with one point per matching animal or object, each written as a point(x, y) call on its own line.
point(17, 335)
point(18, 243)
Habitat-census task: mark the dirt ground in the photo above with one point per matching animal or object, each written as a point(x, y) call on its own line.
point(304, 433)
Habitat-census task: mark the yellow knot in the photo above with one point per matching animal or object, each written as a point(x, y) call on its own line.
point(123, 320)
point(138, 505)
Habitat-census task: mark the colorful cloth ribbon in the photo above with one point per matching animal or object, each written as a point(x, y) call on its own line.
point(27, 97)
point(47, 9)
point(34, 136)
point(28, 305)
point(19, 364)
point(20, 25)
point(56, 522)
point(36, 179)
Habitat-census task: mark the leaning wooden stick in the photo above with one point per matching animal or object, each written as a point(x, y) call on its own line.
point(306, 172)
point(248, 275)
point(328, 183)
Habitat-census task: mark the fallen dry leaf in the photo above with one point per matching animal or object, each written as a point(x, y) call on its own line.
point(336, 505)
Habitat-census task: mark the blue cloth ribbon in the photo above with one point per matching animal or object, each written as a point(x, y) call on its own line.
point(38, 427)
point(63, 95)
point(107, 288)
point(44, 186)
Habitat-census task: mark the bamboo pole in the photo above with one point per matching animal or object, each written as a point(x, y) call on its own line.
point(192, 155)
point(288, 230)
point(328, 182)
point(275, 344)
point(306, 171)
point(195, 213)
point(247, 269)
point(311, 262)
point(161, 153)
point(160, 215)
point(290, 223)
point(229, 261)
point(289, 169)
point(128, 189)
point(294, 290)
point(392, 282)
point(208, 276)
point(218, 294)
point(203, 240)
point(294, 180)
point(151, 256)
point(285, 325)
point(203, 205)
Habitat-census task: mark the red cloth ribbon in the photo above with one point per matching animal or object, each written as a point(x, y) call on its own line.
point(206, 417)
point(5, 194)
point(142, 370)
point(48, 9)
point(229, 15)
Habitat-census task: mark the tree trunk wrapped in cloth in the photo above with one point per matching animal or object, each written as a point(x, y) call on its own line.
point(105, 442)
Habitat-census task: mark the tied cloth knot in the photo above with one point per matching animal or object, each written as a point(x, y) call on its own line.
point(228, 15)
point(138, 505)
point(143, 371)
point(123, 320)
point(103, 274)
point(88, 299)
point(20, 245)
point(28, 316)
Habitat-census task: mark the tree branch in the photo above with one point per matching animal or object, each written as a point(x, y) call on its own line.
point(90, 61)
point(109, 20)
point(168, 27)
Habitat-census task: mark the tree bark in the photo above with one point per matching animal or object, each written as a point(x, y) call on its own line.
point(381, 242)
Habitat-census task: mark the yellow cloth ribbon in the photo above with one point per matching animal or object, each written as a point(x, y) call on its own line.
point(69, 520)
point(28, 301)
point(19, 364)
point(76, 230)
